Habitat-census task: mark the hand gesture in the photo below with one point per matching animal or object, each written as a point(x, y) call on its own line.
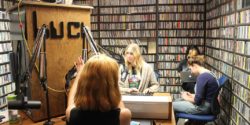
point(146, 91)
point(79, 63)
point(133, 90)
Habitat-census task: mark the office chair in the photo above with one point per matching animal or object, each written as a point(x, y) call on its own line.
point(83, 117)
point(215, 107)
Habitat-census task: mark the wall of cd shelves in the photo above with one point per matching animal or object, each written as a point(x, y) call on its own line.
point(227, 52)
point(180, 24)
point(221, 25)
point(7, 86)
point(171, 25)
point(115, 24)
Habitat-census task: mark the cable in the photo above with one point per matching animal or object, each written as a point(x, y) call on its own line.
point(26, 43)
point(59, 91)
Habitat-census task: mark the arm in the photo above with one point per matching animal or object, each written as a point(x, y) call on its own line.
point(122, 84)
point(200, 88)
point(153, 83)
point(71, 95)
point(79, 65)
point(125, 115)
point(123, 88)
point(188, 96)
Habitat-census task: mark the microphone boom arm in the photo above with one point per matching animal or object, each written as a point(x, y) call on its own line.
point(96, 49)
point(24, 103)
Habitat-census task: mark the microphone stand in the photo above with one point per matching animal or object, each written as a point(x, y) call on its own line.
point(43, 78)
point(22, 80)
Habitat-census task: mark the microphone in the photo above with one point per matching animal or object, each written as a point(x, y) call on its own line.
point(24, 105)
point(85, 55)
point(42, 64)
point(133, 71)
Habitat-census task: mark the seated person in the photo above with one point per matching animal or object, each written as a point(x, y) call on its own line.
point(183, 66)
point(96, 92)
point(205, 88)
point(136, 75)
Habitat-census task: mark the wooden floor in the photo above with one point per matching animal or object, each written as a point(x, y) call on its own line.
point(25, 120)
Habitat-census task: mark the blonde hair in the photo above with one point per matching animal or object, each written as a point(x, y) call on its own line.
point(196, 59)
point(98, 85)
point(137, 55)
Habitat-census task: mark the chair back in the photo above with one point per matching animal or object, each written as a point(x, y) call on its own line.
point(215, 107)
point(83, 117)
point(222, 80)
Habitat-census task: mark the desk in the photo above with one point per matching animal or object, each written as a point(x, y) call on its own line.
point(170, 121)
point(25, 120)
point(58, 120)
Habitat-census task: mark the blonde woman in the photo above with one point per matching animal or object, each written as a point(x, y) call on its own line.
point(136, 75)
point(95, 97)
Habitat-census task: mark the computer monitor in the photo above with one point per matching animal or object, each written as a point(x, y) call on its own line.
point(149, 107)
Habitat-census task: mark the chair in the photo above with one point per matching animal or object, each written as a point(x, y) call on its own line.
point(215, 107)
point(82, 117)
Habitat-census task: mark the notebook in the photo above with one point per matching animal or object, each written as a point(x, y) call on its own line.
point(187, 76)
point(148, 107)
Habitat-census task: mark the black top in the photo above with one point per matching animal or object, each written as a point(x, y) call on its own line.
point(83, 117)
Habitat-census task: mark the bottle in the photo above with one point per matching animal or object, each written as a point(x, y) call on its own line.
point(13, 113)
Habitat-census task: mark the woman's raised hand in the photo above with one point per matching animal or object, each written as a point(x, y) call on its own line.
point(79, 63)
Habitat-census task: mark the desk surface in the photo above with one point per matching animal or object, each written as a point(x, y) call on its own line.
point(58, 120)
point(170, 121)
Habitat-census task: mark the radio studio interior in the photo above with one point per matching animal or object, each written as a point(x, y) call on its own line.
point(125, 62)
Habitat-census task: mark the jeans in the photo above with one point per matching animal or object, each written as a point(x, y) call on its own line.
point(181, 105)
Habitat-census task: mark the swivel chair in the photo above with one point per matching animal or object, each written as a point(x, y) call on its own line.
point(82, 117)
point(215, 107)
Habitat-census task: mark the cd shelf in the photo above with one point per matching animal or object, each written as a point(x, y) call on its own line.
point(220, 28)
point(227, 51)
point(7, 86)
point(171, 25)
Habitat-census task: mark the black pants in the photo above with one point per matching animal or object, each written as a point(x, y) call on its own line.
point(189, 87)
